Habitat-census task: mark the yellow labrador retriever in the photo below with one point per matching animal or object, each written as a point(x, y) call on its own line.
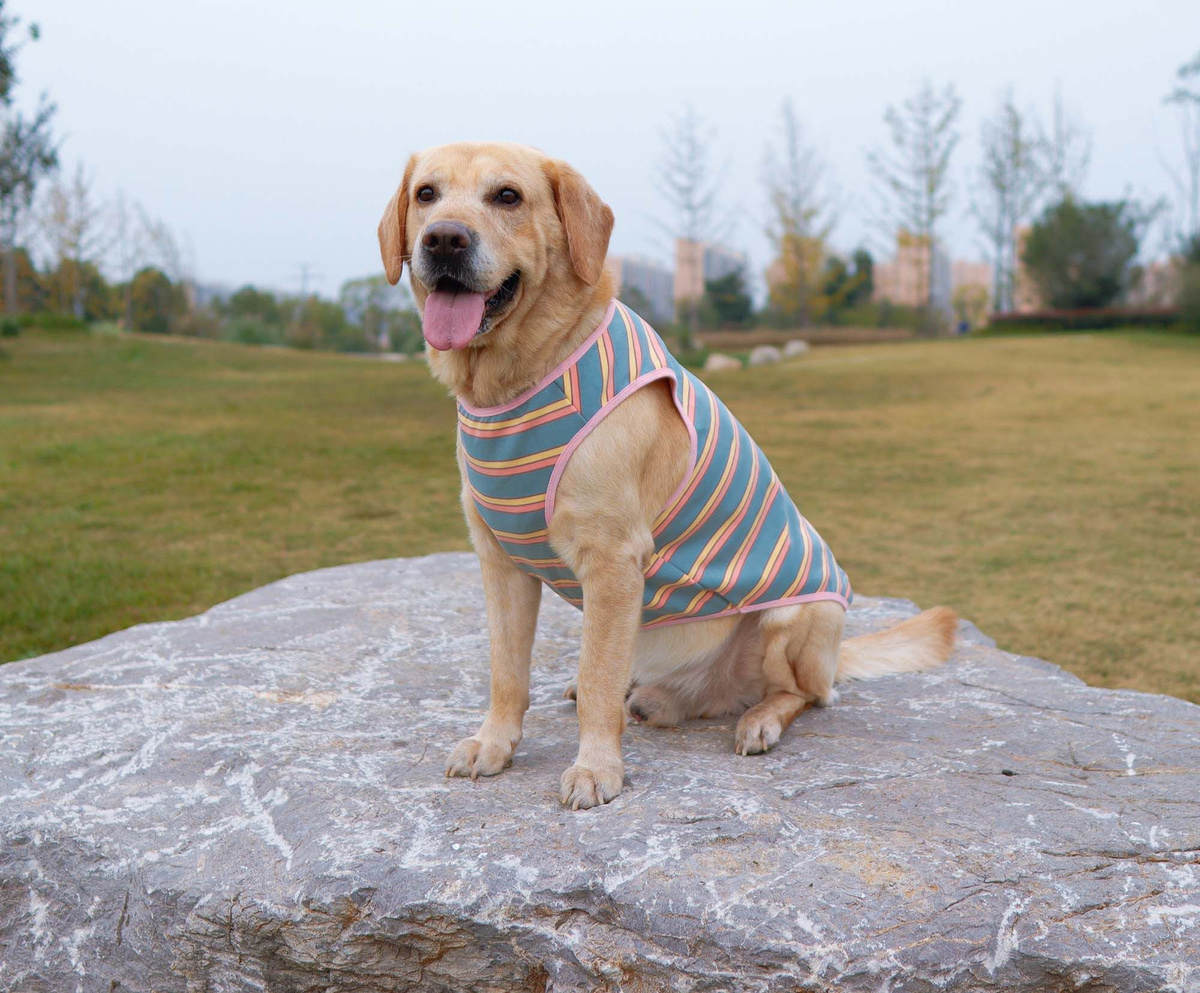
point(506, 251)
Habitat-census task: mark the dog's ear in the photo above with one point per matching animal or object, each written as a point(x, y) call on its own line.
point(586, 219)
point(391, 227)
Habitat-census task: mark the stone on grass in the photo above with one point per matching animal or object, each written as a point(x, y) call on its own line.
point(795, 347)
point(253, 799)
point(717, 362)
point(765, 355)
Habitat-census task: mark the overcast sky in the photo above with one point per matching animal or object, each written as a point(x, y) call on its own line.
point(272, 133)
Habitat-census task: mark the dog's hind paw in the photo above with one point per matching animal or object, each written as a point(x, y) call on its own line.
point(474, 758)
point(757, 732)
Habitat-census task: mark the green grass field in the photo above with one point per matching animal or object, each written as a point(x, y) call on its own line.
point(1048, 488)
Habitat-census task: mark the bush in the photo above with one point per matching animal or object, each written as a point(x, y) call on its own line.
point(10, 327)
point(49, 320)
point(1189, 297)
point(252, 331)
point(199, 323)
point(1091, 319)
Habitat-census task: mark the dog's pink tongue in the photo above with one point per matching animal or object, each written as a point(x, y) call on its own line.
point(451, 319)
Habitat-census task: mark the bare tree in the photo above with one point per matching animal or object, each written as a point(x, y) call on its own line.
point(800, 211)
point(914, 174)
point(126, 249)
point(689, 182)
point(1185, 98)
point(1010, 185)
point(74, 226)
point(1065, 150)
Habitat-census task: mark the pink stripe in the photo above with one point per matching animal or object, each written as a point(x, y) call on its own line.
point(549, 377)
point(751, 608)
point(603, 412)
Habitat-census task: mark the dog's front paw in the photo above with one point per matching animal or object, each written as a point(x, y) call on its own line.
point(757, 731)
point(583, 787)
point(476, 757)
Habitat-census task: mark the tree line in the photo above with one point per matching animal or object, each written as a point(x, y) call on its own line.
point(1025, 198)
point(112, 261)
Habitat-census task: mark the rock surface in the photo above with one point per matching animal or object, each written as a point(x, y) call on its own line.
point(718, 362)
point(253, 799)
point(764, 355)
point(795, 348)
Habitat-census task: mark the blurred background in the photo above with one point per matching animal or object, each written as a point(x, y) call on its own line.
point(944, 262)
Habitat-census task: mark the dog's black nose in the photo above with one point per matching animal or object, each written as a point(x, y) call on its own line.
point(446, 239)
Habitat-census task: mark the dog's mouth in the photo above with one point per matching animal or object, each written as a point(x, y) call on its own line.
point(455, 314)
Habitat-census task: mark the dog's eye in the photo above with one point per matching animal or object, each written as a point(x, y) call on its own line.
point(426, 194)
point(508, 196)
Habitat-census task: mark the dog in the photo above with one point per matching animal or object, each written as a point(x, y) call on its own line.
point(594, 464)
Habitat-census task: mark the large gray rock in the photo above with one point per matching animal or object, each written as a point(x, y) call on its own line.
point(253, 799)
point(764, 355)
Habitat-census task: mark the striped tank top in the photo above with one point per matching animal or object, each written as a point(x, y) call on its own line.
point(730, 539)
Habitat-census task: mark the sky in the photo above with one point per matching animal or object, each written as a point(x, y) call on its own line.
point(269, 135)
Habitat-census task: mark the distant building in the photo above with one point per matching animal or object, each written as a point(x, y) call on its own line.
point(918, 268)
point(697, 262)
point(1026, 296)
point(652, 280)
point(1156, 284)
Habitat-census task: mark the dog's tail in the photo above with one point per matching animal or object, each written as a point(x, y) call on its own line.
point(919, 643)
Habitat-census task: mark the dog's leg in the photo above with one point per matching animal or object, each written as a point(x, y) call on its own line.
point(800, 646)
point(512, 608)
point(612, 597)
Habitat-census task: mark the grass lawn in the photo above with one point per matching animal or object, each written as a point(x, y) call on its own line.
point(1048, 488)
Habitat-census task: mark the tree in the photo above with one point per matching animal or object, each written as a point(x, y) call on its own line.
point(73, 225)
point(156, 301)
point(1065, 152)
point(251, 302)
point(1079, 255)
point(840, 287)
point(27, 154)
point(914, 175)
point(1010, 184)
point(799, 223)
point(688, 181)
point(864, 272)
point(1185, 98)
point(728, 298)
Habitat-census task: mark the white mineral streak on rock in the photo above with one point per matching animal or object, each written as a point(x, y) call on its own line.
point(253, 799)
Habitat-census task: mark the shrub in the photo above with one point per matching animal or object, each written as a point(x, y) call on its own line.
point(10, 327)
point(50, 320)
point(1189, 297)
point(252, 331)
point(1091, 319)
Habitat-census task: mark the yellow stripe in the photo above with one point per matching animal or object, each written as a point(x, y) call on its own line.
point(513, 421)
point(505, 501)
point(767, 569)
point(509, 463)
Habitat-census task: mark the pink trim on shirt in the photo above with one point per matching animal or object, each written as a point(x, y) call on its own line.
point(608, 408)
point(549, 378)
point(752, 607)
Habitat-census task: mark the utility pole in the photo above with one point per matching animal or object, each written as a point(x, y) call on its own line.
point(307, 273)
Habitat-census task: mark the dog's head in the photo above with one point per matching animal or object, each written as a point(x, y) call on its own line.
point(488, 231)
